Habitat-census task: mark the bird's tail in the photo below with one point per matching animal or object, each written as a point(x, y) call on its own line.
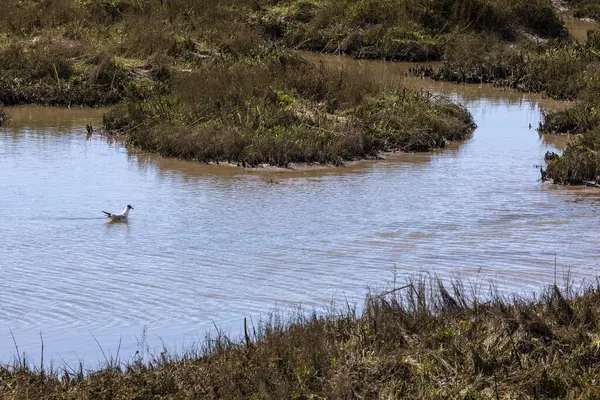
point(107, 213)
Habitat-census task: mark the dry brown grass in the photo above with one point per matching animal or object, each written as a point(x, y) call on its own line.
point(185, 34)
point(412, 30)
point(426, 341)
point(59, 71)
point(65, 52)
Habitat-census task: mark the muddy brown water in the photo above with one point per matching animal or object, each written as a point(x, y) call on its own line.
point(578, 28)
point(210, 245)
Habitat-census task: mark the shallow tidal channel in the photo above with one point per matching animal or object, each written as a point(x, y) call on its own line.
point(207, 246)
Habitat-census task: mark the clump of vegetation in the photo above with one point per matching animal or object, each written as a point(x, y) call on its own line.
point(580, 162)
point(585, 114)
point(561, 69)
point(585, 8)
point(411, 31)
point(67, 52)
point(425, 341)
point(3, 117)
point(580, 118)
point(59, 72)
point(278, 110)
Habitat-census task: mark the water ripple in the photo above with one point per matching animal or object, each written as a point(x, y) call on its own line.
point(216, 245)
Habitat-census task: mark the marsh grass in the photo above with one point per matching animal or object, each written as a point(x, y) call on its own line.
point(68, 52)
point(579, 163)
point(279, 110)
point(581, 117)
point(584, 115)
point(59, 72)
point(426, 340)
point(560, 69)
point(50, 49)
point(400, 30)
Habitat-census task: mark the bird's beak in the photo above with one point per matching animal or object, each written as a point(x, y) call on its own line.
point(132, 208)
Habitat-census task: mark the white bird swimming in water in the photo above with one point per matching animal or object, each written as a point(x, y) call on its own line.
point(122, 216)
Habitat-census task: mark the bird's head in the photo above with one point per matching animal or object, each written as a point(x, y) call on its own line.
point(130, 207)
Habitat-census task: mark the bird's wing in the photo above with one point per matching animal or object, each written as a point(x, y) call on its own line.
point(107, 213)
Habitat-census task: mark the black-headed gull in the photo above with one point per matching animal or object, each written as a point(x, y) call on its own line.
point(122, 216)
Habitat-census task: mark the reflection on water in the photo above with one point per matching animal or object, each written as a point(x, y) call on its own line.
point(214, 244)
point(52, 119)
point(558, 141)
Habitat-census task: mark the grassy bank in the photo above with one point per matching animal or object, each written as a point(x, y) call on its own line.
point(583, 116)
point(3, 117)
point(89, 52)
point(423, 341)
point(58, 71)
point(279, 110)
point(580, 162)
point(416, 30)
point(560, 69)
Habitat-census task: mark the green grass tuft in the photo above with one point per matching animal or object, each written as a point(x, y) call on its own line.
point(580, 162)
